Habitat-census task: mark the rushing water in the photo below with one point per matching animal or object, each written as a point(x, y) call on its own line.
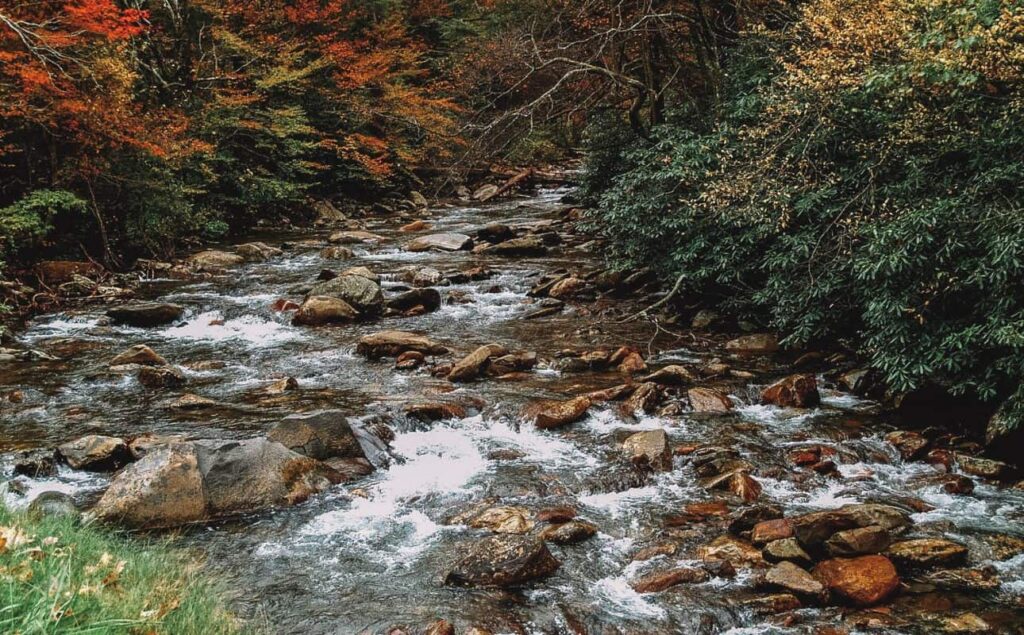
point(371, 554)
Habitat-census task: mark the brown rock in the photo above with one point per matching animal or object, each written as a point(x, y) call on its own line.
point(139, 354)
point(795, 391)
point(409, 360)
point(556, 515)
point(568, 288)
point(435, 411)
point(337, 252)
point(771, 530)
point(415, 226)
point(924, 553)
point(95, 453)
point(319, 310)
point(645, 398)
point(709, 400)
point(984, 468)
point(503, 561)
point(859, 541)
point(473, 365)
point(212, 260)
point(649, 449)
point(738, 482)
point(660, 549)
point(786, 549)
point(504, 520)
point(774, 604)
point(738, 552)
point(661, 580)
point(322, 434)
point(555, 414)
point(632, 364)
point(862, 581)
point(394, 343)
point(786, 576)
point(759, 344)
point(155, 377)
point(672, 376)
point(569, 533)
point(257, 252)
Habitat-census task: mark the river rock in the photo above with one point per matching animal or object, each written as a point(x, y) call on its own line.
point(415, 226)
point(731, 549)
point(649, 449)
point(567, 288)
point(139, 354)
point(394, 343)
point(863, 581)
point(645, 398)
point(95, 453)
point(747, 518)
point(926, 553)
point(440, 242)
point(485, 192)
point(353, 236)
point(503, 561)
point(322, 434)
point(911, 445)
point(859, 541)
point(982, 467)
point(55, 272)
point(709, 400)
point(758, 344)
point(200, 480)
point(555, 414)
point(504, 520)
point(337, 252)
point(570, 533)
point(473, 365)
point(257, 252)
point(511, 363)
point(363, 294)
point(53, 505)
point(771, 530)
point(440, 627)
point(213, 260)
point(795, 391)
point(495, 233)
point(35, 464)
point(786, 549)
point(774, 604)
point(673, 375)
point(146, 314)
point(428, 299)
point(812, 530)
point(435, 411)
point(739, 483)
point(660, 580)
point(157, 377)
point(525, 246)
point(978, 579)
point(786, 576)
point(318, 310)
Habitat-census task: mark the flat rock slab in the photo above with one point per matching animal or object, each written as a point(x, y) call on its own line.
point(146, 314)
point(440, 242)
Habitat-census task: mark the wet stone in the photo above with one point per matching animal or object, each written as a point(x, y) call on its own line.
point(569, 533)
point(95, 453)
point(927, 553)
point(857, 542)
point(662, 580)
point(503, 561)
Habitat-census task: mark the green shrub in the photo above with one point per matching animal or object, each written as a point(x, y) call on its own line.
point(874, 196)
point(30, 220)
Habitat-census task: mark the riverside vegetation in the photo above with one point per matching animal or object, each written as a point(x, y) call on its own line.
point(756, 365)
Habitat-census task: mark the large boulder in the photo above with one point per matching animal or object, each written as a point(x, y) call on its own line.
point(318, 310)
point(503, 561)
point(200, 480)
point(475, 364)
point(440, 242)
point(146, 313)
point(795, 391)
point(53, 504)
point(323, 434)
point(862, 581)
point(394, 343)
point(709, 400)
point(95, 453)
point(363, 294)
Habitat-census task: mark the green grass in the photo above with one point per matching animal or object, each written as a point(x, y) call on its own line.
point(60, 576)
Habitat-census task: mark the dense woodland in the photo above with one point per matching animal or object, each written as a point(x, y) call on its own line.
point(847, 172)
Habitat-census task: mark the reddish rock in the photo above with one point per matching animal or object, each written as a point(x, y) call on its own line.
point(409, 360)
point(645, 398)
point(738, 482)
point(863, 581)
point(771, 530)
point(757, 344)
point(795, 391)
point(556, 515)
point(555, 414)
point(911, 445)
point(661, 580)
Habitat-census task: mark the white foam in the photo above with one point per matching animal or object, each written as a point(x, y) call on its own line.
point(616, 597)
point(248, 328)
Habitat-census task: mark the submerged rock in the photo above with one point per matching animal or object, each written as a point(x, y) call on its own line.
point(503, 561)
point(201, 480)
point(146, 314)
point(35, 464)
